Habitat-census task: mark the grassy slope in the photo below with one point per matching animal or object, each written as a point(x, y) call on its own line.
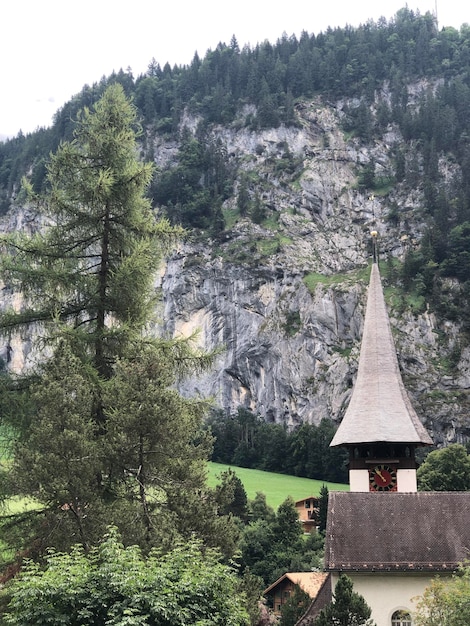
point(276, 487)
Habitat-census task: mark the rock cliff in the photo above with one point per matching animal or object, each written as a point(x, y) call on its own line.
point(284, 300)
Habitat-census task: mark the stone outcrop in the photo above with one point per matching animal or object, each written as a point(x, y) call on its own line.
point(285, 302)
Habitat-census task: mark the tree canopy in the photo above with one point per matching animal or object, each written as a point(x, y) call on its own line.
point(273, 544)
point(104, 437)
point(445, 602)
point(447, 469)
point(117, 585)
point(246, 440)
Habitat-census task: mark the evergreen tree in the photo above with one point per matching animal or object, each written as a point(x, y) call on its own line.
point(347, 609)
point(108, 440)
point(92, 267)
point(259, 508)
point(231, 495)
point(323, 508)
point(58, 460)
point(287, 527)
point(272, 545)
point(243, 197)
point(258, 210)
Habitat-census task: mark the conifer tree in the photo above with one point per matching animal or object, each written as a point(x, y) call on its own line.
point(323, 508)
point(107, 439)
point(348, 608)
point(92, 268)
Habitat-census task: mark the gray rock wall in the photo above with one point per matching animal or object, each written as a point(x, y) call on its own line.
point(285, 301)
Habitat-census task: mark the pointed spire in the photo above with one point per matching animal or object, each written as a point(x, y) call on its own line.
point(379, 410)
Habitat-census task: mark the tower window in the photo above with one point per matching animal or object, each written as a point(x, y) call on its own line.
point(401, 618)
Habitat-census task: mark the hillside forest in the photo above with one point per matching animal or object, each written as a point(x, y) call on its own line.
point(270, 80)
point(109, 457)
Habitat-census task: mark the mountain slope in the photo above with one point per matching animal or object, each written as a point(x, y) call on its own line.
point(280, 161)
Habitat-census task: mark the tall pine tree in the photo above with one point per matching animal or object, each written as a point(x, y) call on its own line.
point(92, 266)
point(106, 439)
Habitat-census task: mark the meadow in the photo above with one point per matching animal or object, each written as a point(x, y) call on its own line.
point(276, 487)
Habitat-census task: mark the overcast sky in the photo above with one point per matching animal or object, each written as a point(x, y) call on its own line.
point(49, 49)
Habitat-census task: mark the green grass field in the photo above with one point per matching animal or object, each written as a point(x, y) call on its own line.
point(276, 487)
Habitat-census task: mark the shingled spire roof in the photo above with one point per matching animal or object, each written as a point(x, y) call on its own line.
point(379, 410)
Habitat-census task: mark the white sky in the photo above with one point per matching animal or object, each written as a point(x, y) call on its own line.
point(49, 49)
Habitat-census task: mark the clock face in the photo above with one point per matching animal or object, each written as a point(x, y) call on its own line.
point(383, 478)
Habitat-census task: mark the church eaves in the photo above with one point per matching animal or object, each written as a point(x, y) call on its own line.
point(379, 409)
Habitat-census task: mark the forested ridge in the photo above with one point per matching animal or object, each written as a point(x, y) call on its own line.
point(245, 440)
point(272, 79)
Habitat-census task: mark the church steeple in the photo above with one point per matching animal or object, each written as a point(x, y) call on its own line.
point(380, 427)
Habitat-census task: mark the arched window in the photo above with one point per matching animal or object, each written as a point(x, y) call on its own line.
point(401, 618)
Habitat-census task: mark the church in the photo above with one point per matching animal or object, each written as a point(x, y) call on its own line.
point(390, 539)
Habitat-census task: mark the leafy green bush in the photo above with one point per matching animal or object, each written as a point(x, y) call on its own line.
point(119, 586)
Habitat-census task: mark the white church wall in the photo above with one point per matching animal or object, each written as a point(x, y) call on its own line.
point(388, 592)
point(406, 480)
point(358, 480)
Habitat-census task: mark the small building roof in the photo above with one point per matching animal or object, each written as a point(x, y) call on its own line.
point(379, 409)
point(307, 498)
point(424, 531)
point(310, 582)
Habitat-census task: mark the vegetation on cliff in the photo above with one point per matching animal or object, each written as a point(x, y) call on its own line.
point(371, 68)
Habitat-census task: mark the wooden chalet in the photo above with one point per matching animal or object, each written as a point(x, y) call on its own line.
point(307, 510)
point(280, 591)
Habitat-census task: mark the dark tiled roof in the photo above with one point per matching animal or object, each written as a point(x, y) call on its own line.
point(379, 409)
point(426, 531)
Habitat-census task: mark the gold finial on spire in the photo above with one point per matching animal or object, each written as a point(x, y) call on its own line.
point(375, 252)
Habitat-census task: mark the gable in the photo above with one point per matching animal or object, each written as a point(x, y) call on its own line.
point(425, 531)
point(310, 582)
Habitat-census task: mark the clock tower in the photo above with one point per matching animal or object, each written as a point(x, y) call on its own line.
point(380, 428)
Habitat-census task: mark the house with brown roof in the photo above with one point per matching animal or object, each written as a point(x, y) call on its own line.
point(307, 510)
point(388, 538)
point(280, 591)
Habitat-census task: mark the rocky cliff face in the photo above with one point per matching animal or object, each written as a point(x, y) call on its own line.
point(290, 353)
point(285, 301)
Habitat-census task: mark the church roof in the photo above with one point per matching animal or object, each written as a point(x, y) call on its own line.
point(379, 409)
point(424, 531)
